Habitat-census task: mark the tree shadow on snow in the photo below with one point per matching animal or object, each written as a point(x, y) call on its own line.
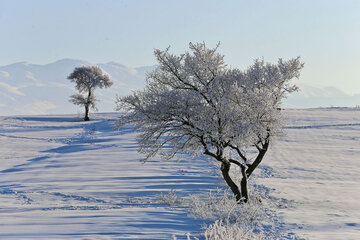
point(96, 135)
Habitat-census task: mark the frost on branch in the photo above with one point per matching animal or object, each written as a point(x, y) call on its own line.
point(87, 79)
point(194, 103)
point(79, 99)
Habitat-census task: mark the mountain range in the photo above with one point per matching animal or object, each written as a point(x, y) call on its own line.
point(27, 89)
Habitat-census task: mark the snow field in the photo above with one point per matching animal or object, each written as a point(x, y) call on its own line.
point(316, 166)
point(66, 179)
point(62, 178)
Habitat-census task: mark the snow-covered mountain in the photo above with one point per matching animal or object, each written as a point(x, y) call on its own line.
point(27, 88)
point(311, 96)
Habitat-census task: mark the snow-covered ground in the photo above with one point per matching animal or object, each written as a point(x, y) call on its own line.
point(65, 178)
point(316, 167)
point(62, 178)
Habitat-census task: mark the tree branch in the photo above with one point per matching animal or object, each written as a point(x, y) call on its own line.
point(235, 162)
point(260, 156)
point(238, 152)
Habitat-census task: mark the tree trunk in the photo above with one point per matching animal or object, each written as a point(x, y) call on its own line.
point(243, 184)
point(225, 168)
point(87, 105)
point(86, 118)
point(258, 160)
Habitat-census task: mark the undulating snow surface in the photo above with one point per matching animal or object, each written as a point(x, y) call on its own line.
point(62, 178)
point(65, 178)
point(316, 167)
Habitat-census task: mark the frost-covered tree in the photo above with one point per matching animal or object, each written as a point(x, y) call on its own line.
point(87, 79)
point(194, 103)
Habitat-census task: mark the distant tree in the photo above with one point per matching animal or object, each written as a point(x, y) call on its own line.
point(87, 79)
point(194, 103)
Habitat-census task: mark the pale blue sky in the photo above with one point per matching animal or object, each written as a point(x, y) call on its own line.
point(325, 33)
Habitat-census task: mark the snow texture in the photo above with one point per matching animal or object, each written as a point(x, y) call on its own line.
point(317, 169)
point(62, 178)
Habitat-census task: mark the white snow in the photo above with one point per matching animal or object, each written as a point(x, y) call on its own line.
point(316, 167)
point(62, 178)
point(65, 178)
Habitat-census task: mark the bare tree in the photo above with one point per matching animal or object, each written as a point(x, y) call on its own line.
point(194, 103)
point(87, 79)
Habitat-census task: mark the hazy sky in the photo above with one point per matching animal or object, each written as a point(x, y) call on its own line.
point(325, 33)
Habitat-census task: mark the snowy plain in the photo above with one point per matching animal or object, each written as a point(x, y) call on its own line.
point(317, 167)
point(62, 178)
point(65, 178)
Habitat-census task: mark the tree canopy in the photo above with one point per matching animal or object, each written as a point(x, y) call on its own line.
point(87, 79)
point(194, 103)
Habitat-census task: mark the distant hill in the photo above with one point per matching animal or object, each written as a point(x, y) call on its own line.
point(27, 88)
point(313, 97)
